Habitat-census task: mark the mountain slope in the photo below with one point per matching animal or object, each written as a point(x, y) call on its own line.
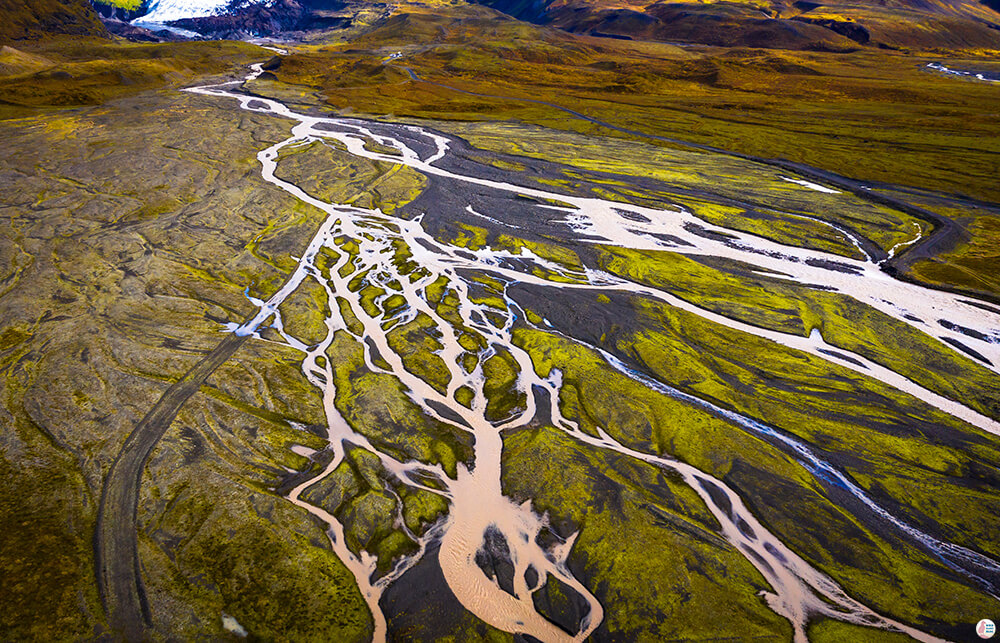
point(834, 25)
point(25, 19)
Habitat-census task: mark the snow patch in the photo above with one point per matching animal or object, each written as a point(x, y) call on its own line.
point(161, 11)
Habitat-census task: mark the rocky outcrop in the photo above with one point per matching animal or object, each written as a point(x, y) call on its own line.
point(138, 34)
point(268, 19)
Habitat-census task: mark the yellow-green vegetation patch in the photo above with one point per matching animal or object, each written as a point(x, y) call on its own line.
point(673, 560)
point(871, 569)
point(464, 396)
point(376, 406)
point(302, 589)
point(550, 251)
point(503, 399)
point(417, 344)
point(827, 630)
point(327, 171)
point(470, 237)
point(304, 312)
point(844, 322)
point(421, 508)
point(130, 5)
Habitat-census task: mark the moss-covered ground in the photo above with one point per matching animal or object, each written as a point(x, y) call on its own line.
point(129, 237)
point(135, 218)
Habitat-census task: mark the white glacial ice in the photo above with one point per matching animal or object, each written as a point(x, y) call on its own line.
point(162, 11)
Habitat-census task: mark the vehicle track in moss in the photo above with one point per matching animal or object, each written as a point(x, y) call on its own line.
point(116, 542)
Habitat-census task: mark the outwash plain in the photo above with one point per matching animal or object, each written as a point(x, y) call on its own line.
point(451, 322)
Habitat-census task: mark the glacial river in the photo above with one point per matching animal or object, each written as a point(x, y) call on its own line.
point(476, 502)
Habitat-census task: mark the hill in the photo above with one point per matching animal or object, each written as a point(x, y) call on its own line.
point(803, 24)
point(27, 19)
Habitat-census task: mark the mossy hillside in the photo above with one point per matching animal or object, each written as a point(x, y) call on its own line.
point(87, 71)
point(870, 568)
point(116, 283)
point(248, 554)
point(832, 26)
point(843, 322)
point(14, 61)
point(672, 576)
point(22, 20)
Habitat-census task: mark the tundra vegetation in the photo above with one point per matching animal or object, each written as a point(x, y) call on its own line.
point(138, 228)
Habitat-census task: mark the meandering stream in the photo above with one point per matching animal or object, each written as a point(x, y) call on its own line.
point(476, 501)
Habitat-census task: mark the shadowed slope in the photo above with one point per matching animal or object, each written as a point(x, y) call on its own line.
point(24, 19)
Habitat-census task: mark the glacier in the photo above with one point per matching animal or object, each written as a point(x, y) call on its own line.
point(163, 11)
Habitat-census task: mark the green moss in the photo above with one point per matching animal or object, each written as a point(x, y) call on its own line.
point(830, 631)
point(350, 319)
point(417, 346)
point(47, 531)
point(672, 562)
point(470, 237)
point(502, 398)
point(436, 290)
point(469, 361)
point(464, 396)
point(342, 485)
point(89, 71)
point(422, 508)
point(377, 407)
point(396, 545)
point(303, 589)
point(368, 296)
point(11, 337)
point(370, 516)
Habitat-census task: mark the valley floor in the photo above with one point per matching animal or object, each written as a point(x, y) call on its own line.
point(272, 369)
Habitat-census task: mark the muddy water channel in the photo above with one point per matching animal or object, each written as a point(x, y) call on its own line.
point(404, 262)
